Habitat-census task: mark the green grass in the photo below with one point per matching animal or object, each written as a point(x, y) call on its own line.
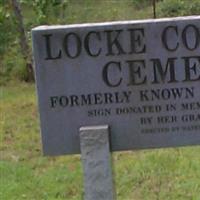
point(25, 174)
point(139, 175)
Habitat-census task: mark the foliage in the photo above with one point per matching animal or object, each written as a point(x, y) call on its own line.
point(7, 25)
point(12, 66)
point(47, 10)
point(172, 8)
point(8, 41)
point(141, 3)
point(3, 38)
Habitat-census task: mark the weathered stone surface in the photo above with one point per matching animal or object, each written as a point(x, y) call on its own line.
point(96, 159)
point(142, 78)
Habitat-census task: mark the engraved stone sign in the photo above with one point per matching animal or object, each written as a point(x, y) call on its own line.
point(142, 78)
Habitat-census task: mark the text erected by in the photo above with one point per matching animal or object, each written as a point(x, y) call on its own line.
point(142, 78)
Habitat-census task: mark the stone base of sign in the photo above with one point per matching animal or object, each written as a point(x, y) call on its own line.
point(96, 159)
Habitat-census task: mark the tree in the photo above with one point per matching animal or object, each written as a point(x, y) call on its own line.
point(25, 49)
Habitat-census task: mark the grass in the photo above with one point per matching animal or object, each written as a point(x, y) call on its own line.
point(139, 175)
point(22, 167)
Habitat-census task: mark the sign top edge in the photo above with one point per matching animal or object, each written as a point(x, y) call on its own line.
point(53, 27)
point(97, 127)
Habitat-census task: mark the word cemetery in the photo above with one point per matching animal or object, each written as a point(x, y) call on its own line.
point(141, 78)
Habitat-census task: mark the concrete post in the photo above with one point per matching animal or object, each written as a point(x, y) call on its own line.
point(96, 159)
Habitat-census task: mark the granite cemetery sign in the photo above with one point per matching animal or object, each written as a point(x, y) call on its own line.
point(142, 78)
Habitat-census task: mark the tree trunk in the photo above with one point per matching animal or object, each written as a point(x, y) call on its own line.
point(25, 49)
point(154, 9)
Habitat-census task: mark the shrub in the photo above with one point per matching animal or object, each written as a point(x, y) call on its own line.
point(12, 66)
point(172, 8)
point(141, 3)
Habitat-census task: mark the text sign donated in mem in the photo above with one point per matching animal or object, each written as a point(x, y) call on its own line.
point(142, 78)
